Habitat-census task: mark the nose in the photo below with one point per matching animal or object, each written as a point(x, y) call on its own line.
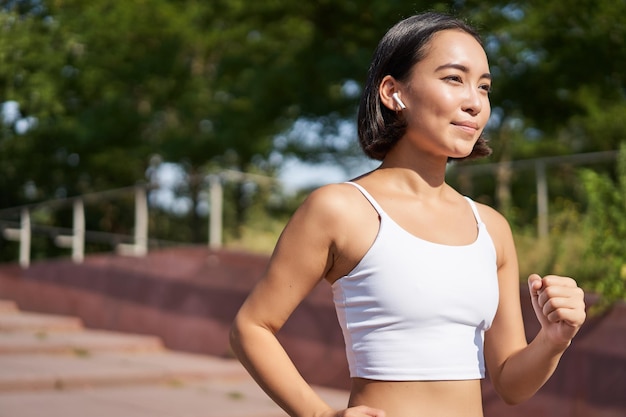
point(473, 102)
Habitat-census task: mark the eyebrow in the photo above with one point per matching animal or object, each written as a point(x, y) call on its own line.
point(461, 68)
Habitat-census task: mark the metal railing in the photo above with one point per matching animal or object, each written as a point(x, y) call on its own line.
point(541, 183)
point(74, 238)
point(138, 243)
point(135, 245)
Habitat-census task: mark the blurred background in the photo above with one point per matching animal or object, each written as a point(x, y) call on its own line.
point(146, 125)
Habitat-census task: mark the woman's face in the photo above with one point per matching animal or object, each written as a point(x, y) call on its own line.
point(447, 95)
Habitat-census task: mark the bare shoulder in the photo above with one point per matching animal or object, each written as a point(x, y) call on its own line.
point(332, 203)
point(329, 212)
point(332, 196)
point(339, 219)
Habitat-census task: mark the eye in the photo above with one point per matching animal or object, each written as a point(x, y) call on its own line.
point(453, 78)
point(486, 87)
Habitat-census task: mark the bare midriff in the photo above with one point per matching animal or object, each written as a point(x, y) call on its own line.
point(419, 398)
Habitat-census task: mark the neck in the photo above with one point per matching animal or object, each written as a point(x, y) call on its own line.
point(420, 174)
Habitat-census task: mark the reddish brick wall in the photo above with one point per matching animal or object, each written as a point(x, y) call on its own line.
point(189, 296)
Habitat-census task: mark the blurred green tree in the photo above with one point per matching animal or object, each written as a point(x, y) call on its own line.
point(605, 225)
point(107, 90)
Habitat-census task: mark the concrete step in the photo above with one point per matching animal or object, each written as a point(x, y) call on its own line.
point(35, 322)
point(26, 332)
point(22, 372)
point(50, 365)
point(213, 397)
point(8, 306)
point(79, 342)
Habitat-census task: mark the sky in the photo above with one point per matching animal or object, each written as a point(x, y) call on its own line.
point(295, 175)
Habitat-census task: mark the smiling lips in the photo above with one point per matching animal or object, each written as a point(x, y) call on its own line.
point(469, 127)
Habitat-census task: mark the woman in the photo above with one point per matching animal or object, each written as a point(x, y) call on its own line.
point(425, 281)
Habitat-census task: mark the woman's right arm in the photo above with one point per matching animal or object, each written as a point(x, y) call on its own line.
point(304, 254)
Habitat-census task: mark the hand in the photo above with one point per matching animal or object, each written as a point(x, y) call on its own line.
point(559, 306)
point(359, 411)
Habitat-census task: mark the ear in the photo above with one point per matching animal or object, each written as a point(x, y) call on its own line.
point(388, 87)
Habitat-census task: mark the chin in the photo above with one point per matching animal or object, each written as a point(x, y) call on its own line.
point(463, 151)
point(460, 154)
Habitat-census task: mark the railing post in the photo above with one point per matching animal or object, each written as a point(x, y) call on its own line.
point(25, 238)
point(216, 196)
point(141, 221)
point(78, 237)
point(542, 199)
point(139, 247)
point(76, 240)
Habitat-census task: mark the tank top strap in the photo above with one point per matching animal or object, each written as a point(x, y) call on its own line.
point(380, 210)
point(474, 209)
point(369, 197)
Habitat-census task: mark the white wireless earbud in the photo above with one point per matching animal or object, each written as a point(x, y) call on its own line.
point(397, 99)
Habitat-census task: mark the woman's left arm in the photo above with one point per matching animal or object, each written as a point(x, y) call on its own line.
point(518, 369)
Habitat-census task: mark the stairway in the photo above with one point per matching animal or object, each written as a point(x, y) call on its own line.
point(52, 365)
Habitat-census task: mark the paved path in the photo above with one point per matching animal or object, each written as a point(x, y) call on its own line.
point(52, 366)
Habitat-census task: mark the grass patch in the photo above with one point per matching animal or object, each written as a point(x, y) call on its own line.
point(236, 395)
point(81, 352)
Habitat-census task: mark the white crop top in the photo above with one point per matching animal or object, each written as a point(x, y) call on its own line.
point(414, 310)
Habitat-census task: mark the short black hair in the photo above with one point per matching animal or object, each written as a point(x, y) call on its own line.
point(403, 46)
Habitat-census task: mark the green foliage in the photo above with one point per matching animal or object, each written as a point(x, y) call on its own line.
point(605, 228)
point(561, 252)
point(539, 55)
point(109, 87)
